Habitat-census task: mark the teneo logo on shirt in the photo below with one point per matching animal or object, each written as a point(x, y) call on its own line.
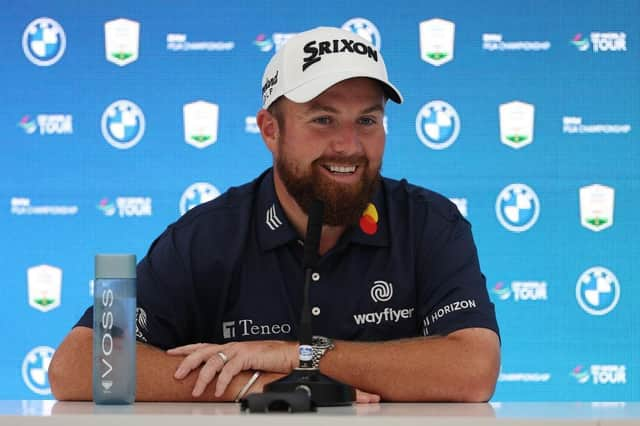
point(127, 206)
point(600, 374)
point(437, 41)
point(495, 42)
point(574, 125)
point(121, 41)
point(596, 207)
point(597, 291)
point(123, 124)
point(247, 327)
point(178, 42)
point(517, 207)
point(437, 125)
point(35, 369)
point(516, 124)
point(200, 123)
point(521, 291)
point(47, 124)
point(196, 194)
point(44, 42)
point(22, 206)
point(44, 283)
point(365, 29)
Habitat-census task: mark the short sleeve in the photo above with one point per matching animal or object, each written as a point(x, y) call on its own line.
point(164, 292)
point(453, 292)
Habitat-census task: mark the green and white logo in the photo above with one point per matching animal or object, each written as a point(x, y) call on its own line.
point(516, 124)
point(121, 41)
point(596, 207)
point(436, 41)
point(44, 284)
point(200, 123)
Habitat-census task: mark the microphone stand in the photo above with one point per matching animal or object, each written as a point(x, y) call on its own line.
point(322, 390)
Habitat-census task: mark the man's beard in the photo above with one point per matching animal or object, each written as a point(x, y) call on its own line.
point(343, 203)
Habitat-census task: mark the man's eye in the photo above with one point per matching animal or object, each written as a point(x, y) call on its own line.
point(368, 121)
point(322, 120)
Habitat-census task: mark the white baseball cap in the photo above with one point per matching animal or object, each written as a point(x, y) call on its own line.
point(311, 62)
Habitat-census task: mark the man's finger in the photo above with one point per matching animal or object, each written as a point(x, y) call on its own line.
point(228, 372)
point(186, 349)
point(363, 397)
point(207, 374)
point(193, 361)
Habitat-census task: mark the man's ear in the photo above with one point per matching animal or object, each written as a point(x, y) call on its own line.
point(269, 129)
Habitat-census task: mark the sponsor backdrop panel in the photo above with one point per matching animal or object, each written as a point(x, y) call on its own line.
point(117, 118)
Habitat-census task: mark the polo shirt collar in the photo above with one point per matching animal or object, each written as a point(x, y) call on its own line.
point(273, 228)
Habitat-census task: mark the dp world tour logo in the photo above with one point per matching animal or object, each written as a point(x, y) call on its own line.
point(502, 291)
point(28, 124)
point(581, 374)
point(437, 41)
point(123, 124)
point(35, 369)
point(437, 125)
point(108, 208)
point(44, 42)
point(597, 291)
point(196, 194)
point(365, 29)
point(580, 42)
point(381, 291)
point(517, 207)
point(121, 41)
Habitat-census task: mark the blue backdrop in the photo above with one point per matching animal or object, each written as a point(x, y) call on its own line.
point(525, 113)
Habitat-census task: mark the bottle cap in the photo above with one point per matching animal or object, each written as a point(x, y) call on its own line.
point(115, 266)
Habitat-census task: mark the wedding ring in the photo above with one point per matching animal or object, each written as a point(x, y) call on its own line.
point(223, 357)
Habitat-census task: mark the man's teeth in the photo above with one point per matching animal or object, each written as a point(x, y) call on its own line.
point(342, 169)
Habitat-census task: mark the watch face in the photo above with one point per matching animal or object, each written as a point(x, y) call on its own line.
point(322, 342)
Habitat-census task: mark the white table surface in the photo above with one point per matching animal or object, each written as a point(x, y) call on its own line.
point(187, 414)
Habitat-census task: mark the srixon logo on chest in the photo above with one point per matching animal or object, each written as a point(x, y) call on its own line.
point(316, 49)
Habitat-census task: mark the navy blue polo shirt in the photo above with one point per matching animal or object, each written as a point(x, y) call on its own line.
point(231, 270)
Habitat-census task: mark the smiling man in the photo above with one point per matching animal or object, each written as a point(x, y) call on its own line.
point(397, 293)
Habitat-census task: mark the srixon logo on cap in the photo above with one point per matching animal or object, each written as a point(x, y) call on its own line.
point(316, 49)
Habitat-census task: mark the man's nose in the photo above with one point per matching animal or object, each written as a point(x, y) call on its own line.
point(347, 139)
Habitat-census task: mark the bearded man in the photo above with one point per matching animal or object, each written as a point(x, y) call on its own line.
point(397, 293)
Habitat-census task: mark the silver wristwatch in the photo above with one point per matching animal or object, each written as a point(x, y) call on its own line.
point(320, 345)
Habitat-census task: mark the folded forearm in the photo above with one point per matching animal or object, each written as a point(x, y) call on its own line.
point(70, 374)
point(435, 369)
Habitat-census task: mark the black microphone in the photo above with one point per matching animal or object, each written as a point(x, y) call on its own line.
point(309, 261)
point(305, 387)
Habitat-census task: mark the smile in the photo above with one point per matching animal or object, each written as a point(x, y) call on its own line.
point(340, 169)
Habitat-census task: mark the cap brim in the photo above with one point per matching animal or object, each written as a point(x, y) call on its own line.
point(313, 88)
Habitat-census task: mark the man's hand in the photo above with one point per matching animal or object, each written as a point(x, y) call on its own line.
point(265, 355)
